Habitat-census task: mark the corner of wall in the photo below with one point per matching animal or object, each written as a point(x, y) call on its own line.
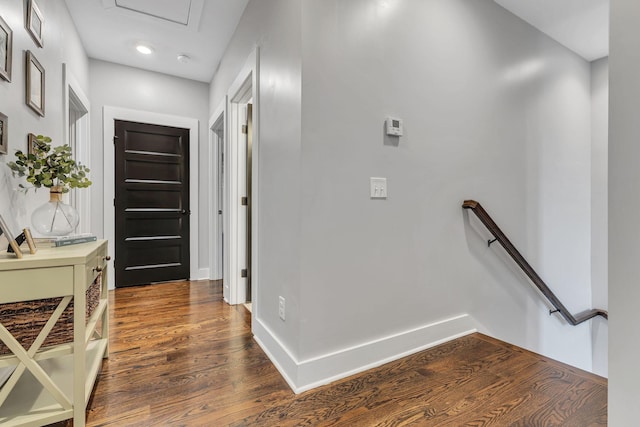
point(303, 375)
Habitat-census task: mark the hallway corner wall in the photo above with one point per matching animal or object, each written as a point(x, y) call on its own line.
point(494, 110)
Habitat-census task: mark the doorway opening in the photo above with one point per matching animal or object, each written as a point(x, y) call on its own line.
point(76, 111)
point(240, 198)
point(217, 207)
point(110, 115)
point(241, 155)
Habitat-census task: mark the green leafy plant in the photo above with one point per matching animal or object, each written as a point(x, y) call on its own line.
point(50, 166)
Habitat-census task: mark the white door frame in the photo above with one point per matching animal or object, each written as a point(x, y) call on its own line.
point(243, 89)
point(217, 120)
point(110, 114)
point(82, 151)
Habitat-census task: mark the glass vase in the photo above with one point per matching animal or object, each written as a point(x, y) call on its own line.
point(55, 218)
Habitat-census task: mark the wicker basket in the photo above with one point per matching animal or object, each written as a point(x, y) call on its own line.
point(25, 320)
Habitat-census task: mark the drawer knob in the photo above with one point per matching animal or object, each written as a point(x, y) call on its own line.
point(98, 269)
point(108, 258)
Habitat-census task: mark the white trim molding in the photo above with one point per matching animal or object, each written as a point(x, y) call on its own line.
point(303, 375)
point(82, 149)
point(217, 119)
point(204, 274)
point(242, 90)
point(110, 114)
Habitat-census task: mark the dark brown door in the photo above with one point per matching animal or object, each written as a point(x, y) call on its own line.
point(152, 203)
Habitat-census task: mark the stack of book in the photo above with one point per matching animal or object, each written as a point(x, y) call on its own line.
point(73, 239)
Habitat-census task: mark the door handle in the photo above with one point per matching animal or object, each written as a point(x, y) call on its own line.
point(185, 212)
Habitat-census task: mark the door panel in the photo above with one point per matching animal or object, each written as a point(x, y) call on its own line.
point(152, 203)
point(141, 227)
point(147, 169)
point(161, 199)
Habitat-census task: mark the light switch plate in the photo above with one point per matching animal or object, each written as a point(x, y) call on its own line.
point(378, 187)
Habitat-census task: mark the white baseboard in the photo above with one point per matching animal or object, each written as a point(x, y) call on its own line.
point(317, 371)
point(275, 350)
point(203, 274)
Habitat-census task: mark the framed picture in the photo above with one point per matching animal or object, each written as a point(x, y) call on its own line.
point(35, 22)
point(31, 143)
point(35, 84)
point(7, 234)
point(6, 50)
point(30, 242)
point(4, 133)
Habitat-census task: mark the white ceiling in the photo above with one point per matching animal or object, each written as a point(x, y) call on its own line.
point(580, 25)
point(200, 29)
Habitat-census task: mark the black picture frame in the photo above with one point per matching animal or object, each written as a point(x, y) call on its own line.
point(6, 50)
point(10, 238)
point(31, 140)
point(4, 134)
point(35, 84)
point(35, 23)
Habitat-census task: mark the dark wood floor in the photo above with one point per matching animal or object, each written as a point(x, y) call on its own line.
point(181, 357)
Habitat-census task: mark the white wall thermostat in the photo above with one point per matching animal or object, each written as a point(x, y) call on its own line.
point(394, 126)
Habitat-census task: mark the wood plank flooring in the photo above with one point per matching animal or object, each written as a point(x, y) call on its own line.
point(181, 357)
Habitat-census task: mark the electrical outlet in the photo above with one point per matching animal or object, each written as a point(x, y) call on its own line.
point(281, 308)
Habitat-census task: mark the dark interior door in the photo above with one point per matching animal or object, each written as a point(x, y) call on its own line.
point(152, 203)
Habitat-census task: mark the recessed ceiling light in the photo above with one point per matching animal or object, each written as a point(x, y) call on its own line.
point(144, 49)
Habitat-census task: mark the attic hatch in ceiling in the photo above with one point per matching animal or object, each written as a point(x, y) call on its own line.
point(185, 14)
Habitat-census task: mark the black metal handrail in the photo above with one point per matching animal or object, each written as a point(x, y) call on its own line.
point(501, 238)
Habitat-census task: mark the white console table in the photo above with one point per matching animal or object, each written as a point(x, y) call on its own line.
point(53, 384)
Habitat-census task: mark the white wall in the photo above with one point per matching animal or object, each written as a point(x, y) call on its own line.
point(132, 88)
point(493, 110)
point(61, 45)
point(624, 205)
point(599, 205)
